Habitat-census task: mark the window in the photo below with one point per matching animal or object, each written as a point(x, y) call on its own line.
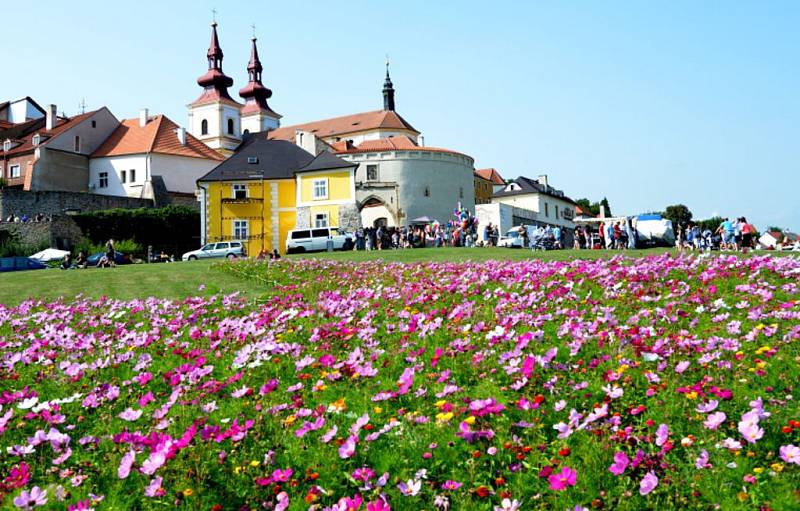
point(320, 189)
point(252, 160)
point(7, 146)
point(230, 126)
point(204, 127)
point(122, 175)
point(13, 171)
point(546, 209)
point(246, 132)
point(556, 212)
point(103, 180)
point(320, 233)
point(36, 140)
point(299, 235)
point(427, 191)
point(461, 192)
point(132, 174)
point(372, 172)
point(77, 144)
point(239, 191)
point(240, 230)
point(94, 124)
point(320, 220)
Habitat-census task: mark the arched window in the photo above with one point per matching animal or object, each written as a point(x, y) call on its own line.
point(246, 132)
point(230, 126)
point(204, 127)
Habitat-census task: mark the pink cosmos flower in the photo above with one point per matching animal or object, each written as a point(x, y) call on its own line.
point(560, 480)
point(154, 489)
point(707, 407)
point(130, 414)
point(283, 501)
point(29, 500)
point(714, 420)
point(126, 464)
point(662, 434)
point(648, 483)
point(18, 476)
point(621, 462)
point(282, 475)
point(451, 485)
point(790, 454)
point(702, 461)
point(348, 448)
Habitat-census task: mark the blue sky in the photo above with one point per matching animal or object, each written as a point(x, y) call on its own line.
point(646, 103)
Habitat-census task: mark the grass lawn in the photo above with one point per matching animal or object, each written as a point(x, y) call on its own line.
point(183, 279)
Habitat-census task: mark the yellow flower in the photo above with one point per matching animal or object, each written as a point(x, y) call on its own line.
point(290, 420)
point(691, 395)
point(742, 496)
point(750, 454)
point(763, 349)
point(255, 463)
point(624, 367)
point(440, 403)
point(470, 420)
point(777, 467)
point(377, 409)
point(444, 417)
point(761, 365)
point(188, 492)
point(237, 470)
point(758, 470)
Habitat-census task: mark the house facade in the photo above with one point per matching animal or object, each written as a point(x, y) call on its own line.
point(551, 206)
point(269, 187)
point(148, 155)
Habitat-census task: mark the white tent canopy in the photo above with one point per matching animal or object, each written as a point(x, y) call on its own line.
point(49, 254)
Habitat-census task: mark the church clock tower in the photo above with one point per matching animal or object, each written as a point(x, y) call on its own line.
point(215, 117)
point(256, 114)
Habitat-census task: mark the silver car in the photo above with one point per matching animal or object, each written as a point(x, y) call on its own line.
point(229, 249)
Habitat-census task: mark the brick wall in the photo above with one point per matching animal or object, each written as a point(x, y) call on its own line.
point(21, 202)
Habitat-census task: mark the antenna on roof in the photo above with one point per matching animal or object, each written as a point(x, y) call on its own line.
point(82, 105)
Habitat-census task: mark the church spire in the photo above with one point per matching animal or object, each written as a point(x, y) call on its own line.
point(388, 91)
point(214, 82)
point(255, 93)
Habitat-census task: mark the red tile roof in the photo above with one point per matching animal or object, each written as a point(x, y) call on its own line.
point(379, 119)
point(62, 124)
point(157, 136)
point(401, 143)
point(491, 175)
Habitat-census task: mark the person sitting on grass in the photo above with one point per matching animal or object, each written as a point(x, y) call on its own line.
point(274, 255)
point(80, 261)
point(66, 264)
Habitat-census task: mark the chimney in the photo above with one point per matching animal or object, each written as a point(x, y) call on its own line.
point(181, 135)
point(543, 180)
point(143, 114)
point(52, 115)
point(602, 211)
point(306, 141)
point(421, 140)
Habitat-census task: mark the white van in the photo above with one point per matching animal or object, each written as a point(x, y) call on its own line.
point(314, 240)
point(513, 237)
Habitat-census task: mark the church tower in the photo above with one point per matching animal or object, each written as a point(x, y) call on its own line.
point(256, 114)
point(214, 117)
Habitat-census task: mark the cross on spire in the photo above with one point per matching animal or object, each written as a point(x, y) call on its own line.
point(213, 14)
point(253, 26)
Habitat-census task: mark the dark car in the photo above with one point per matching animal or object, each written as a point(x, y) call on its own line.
point(119, 258)
point(20, 264)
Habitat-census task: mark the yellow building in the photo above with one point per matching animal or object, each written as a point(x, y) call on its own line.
point(269, 187)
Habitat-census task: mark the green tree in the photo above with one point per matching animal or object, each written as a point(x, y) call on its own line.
point(605, 204)
point(678, 213)
point(710, 223)
point(774, 228)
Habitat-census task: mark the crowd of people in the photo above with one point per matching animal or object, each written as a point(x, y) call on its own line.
point(610, 235)
point(734, 235)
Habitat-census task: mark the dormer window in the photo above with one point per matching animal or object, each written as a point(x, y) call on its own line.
point(7, 146)
point(37, 140)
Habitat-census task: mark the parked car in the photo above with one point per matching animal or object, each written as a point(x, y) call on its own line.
point(513, 238)
point(20, 264)
point(119, 258)
point(229, 249)
point(314, 240)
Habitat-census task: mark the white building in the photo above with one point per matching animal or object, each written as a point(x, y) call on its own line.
point(147, 155)
point(551, 206)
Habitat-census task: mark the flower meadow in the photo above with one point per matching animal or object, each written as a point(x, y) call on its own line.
point(653, 383)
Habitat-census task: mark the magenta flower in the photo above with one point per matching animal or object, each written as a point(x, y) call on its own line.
point(451, 485)
point(560, 480)
point(621, 462)
point(648, 483)
point(282, 475)
point(379, 505)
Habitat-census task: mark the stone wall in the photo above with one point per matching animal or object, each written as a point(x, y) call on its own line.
point(303, 218)
point(21, 202)
point(62, 233)
point(349, 217)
